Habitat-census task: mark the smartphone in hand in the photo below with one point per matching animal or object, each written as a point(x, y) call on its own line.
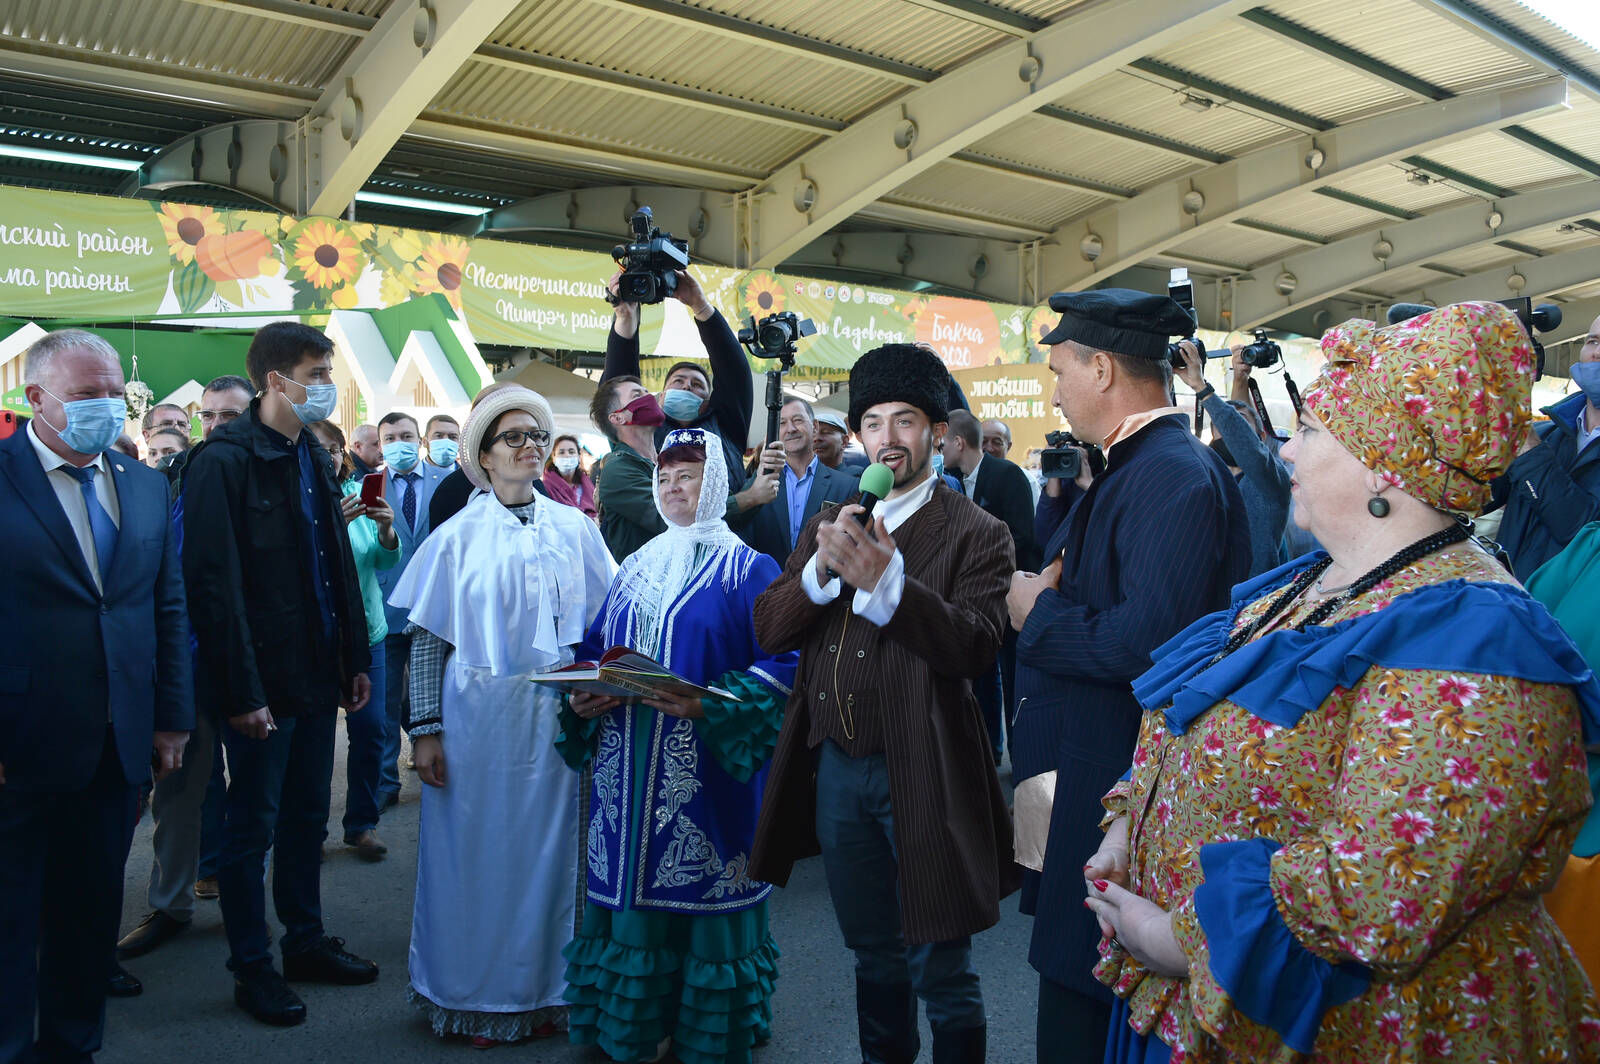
point(371, 489)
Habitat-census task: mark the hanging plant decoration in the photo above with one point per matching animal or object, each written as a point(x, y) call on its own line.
point(138, 394)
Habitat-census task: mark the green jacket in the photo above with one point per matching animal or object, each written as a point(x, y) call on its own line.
point(370, 556)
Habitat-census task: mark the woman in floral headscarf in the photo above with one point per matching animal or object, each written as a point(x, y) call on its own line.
point(1352, 787)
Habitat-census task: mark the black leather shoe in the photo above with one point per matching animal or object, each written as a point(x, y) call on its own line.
point(152, 931)
point(329, 962)
point(264, 994)
point(122, 983)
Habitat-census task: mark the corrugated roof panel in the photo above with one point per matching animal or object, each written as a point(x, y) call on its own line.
point(1016, 200)
point(1555, 238)
point(1477, 259)
point(1576, 129)
point(1404, 284)
point(1391, 185)
point(1254, 60)
point(1319, 215)
point(370, 8)
point(1051, 144)
point(1415, 38)
point(1232, 243)
point(670, 50)
point(1128, 98)
point(1539, 28)
point(184, 36)
point(604, 117)
point(1499, 160)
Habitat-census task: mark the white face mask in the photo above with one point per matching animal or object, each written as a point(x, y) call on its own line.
point(566, 464)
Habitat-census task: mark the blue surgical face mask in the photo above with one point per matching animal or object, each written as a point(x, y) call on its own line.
point(937, 461)
point(93, 425)
point(1586, 375)
point(680, 405)
point(443, 452)
point(400, 455)
point(319, 404)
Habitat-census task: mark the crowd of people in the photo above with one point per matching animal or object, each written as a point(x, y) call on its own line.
point(1299, 762)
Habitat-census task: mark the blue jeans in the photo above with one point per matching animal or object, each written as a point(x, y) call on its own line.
point(855, 824)
point(396, 652)
point(277, 799)
point(213, 813)
point(366, 730)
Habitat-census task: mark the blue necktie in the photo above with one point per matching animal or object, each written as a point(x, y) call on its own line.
point(408, 505)
point(100, 523)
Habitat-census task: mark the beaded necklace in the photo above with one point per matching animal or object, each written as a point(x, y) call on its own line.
point(1398, 561)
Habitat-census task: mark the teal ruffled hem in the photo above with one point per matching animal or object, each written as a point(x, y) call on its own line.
point(575, 744)
point(637, 978)
point(742, 734)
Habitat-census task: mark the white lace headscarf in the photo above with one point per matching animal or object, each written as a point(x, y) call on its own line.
point(681, 560)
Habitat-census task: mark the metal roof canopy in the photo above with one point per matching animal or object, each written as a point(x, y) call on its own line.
point(1307, 158)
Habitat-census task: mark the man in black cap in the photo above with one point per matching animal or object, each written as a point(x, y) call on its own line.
point(883, 758)
point(1155, 541)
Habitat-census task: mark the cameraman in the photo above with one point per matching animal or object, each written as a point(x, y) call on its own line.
point(1262, 477)
point(689, 399)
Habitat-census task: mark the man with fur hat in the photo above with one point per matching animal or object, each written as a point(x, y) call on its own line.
point(1154, 542)
point(883, 759)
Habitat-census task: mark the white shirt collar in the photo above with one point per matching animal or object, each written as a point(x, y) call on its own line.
point(895, 511)
point(51, 461)
point(970, 481)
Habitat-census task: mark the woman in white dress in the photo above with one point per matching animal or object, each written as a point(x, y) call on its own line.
point(497, 594)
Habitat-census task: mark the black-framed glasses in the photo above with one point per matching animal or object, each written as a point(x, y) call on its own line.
point(517, 438)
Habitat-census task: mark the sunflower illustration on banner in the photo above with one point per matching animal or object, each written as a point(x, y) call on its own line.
point(441, 266)
point(216, 254)
point(325, 259)
point(761, 294)
point(1040, 321)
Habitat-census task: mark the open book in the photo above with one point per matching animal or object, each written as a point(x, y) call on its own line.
point(622, 673)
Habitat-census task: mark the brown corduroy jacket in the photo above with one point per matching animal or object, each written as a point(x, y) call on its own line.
point(952, 828)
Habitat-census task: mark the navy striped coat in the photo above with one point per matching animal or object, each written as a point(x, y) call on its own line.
point(1157, 541)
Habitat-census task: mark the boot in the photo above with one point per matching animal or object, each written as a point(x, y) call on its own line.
point(886, 1016)
point(963, 1046)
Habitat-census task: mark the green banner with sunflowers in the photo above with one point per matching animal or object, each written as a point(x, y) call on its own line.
point(76, 256)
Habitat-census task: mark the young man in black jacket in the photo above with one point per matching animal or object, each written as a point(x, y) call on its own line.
point(281, 630)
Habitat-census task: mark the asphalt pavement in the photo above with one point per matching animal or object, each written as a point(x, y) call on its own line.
point(187, 1016)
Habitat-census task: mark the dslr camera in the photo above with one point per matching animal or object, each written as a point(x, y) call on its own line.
point(1182, 292)
point(650, 264)
point(1261, 353)
point(776, 335)
point(1063, 459)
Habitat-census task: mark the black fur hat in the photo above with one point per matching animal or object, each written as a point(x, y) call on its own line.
point(899, 373)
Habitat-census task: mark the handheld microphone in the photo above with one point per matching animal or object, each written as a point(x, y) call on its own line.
point(877, 480)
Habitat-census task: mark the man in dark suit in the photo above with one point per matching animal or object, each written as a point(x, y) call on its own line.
point(281, 644)
point(805, 486)
point(95, 678)
point(1155, 541)
point(1000, 488)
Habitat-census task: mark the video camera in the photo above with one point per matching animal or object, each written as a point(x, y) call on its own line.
point(776, 335)
point(1063, 459)
point(650, 264)
point(1535, 319)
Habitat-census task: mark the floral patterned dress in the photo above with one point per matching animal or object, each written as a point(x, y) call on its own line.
point(1363, 884)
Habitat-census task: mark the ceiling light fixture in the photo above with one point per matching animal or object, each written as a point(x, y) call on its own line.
point(47, 155)
point(412, 203)
point(1196, 103)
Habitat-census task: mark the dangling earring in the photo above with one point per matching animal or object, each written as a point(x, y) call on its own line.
point(1378, 506)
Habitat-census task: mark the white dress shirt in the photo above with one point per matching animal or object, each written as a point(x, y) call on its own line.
point(70, 494)
point(1587, 433)
point(969, 483)
point(879, 604)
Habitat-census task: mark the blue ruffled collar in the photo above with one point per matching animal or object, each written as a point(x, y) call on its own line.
point(1457, 626)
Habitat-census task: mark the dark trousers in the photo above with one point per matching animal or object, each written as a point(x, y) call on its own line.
point(855, 824)
point(397, 695)
point(366, 732)
point(1072, 1026)
point(277, 799)
point(61, 862)
point(213, 812)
